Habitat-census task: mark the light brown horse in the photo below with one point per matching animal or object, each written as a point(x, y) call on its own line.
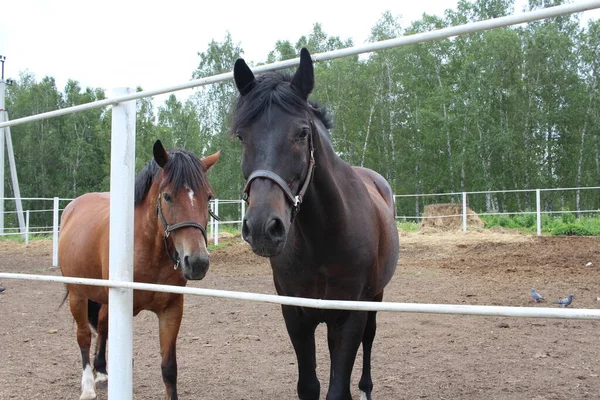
point(171, 211)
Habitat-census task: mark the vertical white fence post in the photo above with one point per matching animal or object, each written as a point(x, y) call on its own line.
point(3, 116)
point(120, 301)
point(243, 214)
point(216, 223)
point(55, 233)
point(538, 211)
point(26, 228)
point(211, 220)
point(464, 211)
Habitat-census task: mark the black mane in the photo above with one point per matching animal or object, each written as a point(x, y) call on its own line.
point(183, 168)
point(273, 89)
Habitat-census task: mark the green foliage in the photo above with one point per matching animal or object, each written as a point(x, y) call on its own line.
point(561, 225)
point(408, 226)
point(571, 230)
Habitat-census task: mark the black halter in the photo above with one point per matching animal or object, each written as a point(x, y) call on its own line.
point(296, 200)
point(170, 228)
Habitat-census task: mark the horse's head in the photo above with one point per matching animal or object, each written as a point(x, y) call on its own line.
point(274, 122)
point(182, 207)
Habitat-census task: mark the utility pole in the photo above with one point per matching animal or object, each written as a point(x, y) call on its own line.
point(5, 137)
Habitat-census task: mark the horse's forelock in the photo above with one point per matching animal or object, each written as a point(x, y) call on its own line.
point(182, 169)
point(271, 89)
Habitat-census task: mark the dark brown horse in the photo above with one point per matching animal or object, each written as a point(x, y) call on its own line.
point(171, 210)
point(327, 227)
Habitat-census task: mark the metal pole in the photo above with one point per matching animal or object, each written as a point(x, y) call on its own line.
point(3, 118)
point(464, 211)
point(55, 234)
point(120, 301)
point(15, 179)
point(243, 214)
point(538, 211)
point(216, 241)
point(26, 228)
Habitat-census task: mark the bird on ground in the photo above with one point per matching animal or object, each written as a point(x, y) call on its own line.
point(566, 301)
point(2, 289)
point(536, 297)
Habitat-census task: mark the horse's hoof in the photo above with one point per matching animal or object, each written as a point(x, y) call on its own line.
point(87, 395)
point(364, 396)
point(101, 377)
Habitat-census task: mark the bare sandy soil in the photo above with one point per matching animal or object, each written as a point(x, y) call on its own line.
point(240, 350)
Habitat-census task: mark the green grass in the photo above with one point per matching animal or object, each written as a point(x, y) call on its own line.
point(559, 224)
point(408, 226)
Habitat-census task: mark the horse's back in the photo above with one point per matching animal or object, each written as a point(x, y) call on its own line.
point(83, 239)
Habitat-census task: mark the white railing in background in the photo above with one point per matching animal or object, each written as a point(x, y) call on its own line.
point(224, 207)
point(464, 196)
point(120, 386)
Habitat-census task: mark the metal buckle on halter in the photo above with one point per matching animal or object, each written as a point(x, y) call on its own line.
point(297, 200)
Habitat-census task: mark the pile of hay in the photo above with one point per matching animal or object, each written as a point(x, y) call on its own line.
point(448, 217)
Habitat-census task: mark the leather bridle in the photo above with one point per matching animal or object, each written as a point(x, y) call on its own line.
point(295, 200)
point(170, 228)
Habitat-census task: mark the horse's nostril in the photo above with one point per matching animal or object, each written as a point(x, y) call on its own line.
point(275, 229)
point(245, 229)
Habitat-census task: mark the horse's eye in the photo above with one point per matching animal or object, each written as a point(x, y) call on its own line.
point(304, 133)
point(239, 136)
point(167, 197)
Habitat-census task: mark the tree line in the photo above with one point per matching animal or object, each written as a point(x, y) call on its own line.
point(510, 108)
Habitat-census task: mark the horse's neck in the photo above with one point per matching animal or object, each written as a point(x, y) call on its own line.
point(327, 193)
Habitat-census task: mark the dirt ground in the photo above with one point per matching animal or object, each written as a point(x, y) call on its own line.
point(236, 350)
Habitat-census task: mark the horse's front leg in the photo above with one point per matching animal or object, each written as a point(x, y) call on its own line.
point(169, 321)
point(301, 330)
point(79, 309)
point(344, 335)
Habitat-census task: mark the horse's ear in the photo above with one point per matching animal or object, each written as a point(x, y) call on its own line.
point(211, 160)
point(160, 154)
point(243, 76)
point(304, 78)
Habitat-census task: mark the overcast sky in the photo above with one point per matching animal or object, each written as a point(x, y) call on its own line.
point(113, 43)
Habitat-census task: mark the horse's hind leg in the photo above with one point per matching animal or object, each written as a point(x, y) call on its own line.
point(169, 321)
point(301, 330)
point(366, 383)
point(79, 310)
point(100, 360)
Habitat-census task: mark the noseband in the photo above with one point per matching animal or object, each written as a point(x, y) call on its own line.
point(170, 228)
point(296, 200)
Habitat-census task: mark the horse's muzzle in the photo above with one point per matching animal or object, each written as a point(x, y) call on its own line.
point(194, 267)
point(268, 239)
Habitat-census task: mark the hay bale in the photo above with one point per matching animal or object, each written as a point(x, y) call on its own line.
point(448, 217)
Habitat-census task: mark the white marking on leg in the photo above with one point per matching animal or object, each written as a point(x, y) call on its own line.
point(190, 194)
point(363, 395)
point(101, 377)
point(88, 387)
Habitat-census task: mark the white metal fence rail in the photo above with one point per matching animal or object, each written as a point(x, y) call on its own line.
point(120, 386)
point(464, 197)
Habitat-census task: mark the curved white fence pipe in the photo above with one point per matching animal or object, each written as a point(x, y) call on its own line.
point(330, 55)
point(459, 309)
point(120, 303)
